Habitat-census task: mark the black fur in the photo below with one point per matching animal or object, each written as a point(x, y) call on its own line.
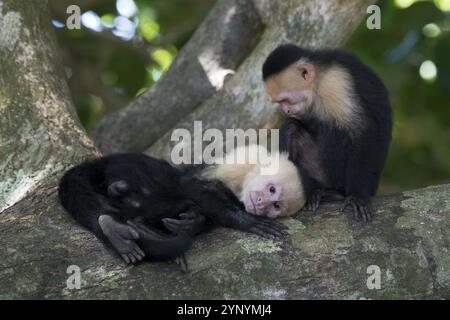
point(352, 163)
point(88, 191)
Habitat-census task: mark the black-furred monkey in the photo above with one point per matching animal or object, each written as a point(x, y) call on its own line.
point(339, 122)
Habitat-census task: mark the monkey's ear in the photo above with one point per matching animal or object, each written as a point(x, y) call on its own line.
point(307, 71)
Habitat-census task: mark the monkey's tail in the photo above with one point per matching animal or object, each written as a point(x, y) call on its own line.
point(79, 198)
point(168, 249)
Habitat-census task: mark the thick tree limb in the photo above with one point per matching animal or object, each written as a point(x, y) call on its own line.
point(243, 103)
point(39, 131)
point(326, 256)
point(216, 49)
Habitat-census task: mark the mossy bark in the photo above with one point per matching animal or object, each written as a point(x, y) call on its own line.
point(325, 256)
point(40, 133)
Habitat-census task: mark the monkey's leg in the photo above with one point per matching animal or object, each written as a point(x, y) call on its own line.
point(162, 247)
point(363, 169)
point(122, 238)
point(190, 223)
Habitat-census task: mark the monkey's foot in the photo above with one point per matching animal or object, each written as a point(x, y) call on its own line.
point(268, 228)
point(361, 210)
point(181, 261)
point(146, 233)
point(313, 201)
point(122, 238)
point(189, 224)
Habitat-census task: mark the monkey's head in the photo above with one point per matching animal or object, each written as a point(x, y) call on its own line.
point(274, 195)
point(289, 79)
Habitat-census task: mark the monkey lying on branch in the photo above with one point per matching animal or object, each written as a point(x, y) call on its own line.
point(145, 208)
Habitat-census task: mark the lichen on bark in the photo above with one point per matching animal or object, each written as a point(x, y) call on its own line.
point(39, 131)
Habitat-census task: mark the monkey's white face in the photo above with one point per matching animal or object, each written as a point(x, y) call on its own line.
point(293, 89)
point(264, 197)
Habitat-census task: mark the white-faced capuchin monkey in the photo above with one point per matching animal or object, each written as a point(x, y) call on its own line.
point(339, 122)
point(145, 208)
point(278, 192)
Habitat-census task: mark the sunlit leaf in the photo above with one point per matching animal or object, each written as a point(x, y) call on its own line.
point(163, 57)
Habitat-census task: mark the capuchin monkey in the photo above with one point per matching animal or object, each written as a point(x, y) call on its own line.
point(275, 193)
point(145, 208)
point(339, 122)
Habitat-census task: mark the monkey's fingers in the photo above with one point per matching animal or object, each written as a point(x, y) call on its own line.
point(313, 202)
point(277, 227)
point(272, 222)
point(267, 231)
point(360, 211)
point(181, 261)
point(365, 213)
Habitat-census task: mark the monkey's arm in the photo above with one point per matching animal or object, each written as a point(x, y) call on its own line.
point(362, 173)
point(190, 223)
point(303, 152)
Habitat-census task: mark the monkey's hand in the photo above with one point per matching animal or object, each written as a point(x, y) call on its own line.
point(361, 208)
point(190, 223)
point(264, 227)
point(313, 201)
point(122, 238)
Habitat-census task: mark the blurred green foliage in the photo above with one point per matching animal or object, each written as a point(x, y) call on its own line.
point(126, 50)
point(413, 32)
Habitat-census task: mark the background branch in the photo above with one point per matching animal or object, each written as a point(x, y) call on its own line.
point(218, 46)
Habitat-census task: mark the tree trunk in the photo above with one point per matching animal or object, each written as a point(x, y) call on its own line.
point(40, 134)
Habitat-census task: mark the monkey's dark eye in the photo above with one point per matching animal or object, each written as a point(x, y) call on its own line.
point(272, 189)
point(276, 205)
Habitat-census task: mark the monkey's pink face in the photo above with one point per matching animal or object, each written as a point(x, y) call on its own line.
point(264, 199)
point(293, 89)
point(294, 103)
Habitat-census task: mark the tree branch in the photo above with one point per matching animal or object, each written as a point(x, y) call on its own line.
point(325, 256)
point(217, 47)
